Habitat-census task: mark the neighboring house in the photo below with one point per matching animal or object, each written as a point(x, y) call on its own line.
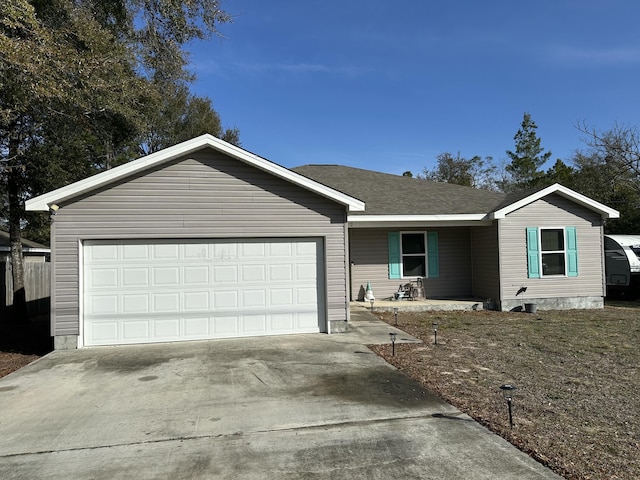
point(31, 251)
point(206, 240)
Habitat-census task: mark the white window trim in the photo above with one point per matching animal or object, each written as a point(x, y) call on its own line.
point(425, 255)
point(543, 252)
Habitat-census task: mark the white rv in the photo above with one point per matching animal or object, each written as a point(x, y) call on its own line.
point(622, 264)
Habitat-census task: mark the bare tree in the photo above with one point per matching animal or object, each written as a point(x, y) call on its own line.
point(619, 149)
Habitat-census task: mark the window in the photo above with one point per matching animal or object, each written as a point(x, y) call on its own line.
point(413, 254)
point(552, 252)
point(552, 248)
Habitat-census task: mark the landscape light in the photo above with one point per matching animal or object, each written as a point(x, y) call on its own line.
point(393, 336)
point(395, 314)
point(508, 391)
point(372, 300)
point(435, 333)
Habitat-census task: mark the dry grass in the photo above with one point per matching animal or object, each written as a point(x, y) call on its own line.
point(577, 405)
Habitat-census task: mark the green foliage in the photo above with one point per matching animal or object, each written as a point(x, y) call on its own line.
point(82, 85)
point(470, 172)
point(180, 116)
point(526, 160)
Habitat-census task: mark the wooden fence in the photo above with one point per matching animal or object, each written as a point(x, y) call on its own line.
point(37, 285)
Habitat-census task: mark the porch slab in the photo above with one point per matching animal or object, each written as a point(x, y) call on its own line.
point(429, 304)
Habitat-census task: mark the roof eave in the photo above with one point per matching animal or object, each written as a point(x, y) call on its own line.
point(43, 202)
point(409, 221)
point(604, 211)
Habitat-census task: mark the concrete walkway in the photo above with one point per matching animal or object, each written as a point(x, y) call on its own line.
point(288, 407)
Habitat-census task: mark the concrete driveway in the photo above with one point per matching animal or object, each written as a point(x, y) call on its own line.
point(291, 407)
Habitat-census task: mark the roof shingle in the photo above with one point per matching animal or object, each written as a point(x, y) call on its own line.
point(386, 194)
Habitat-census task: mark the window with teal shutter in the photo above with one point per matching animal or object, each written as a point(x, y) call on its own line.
point(572, 252)
point(533, 252)
point(432, 255)
point(394, 255)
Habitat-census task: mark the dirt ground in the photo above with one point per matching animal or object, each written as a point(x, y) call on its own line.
point(23, 342)
point(577, 375)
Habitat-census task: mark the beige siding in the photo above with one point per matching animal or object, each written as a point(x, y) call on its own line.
point(369, 254)
point(206, 195)
point(486, 275)
point(552, 211)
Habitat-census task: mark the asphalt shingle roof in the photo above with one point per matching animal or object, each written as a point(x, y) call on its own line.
point(386, 194)
point(4, 241)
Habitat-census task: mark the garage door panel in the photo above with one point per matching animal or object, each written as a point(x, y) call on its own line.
point(255, 324)
point(306, 271)
point(166, 252)
point(281, 273)
point(226, 326)
point(103, 333)
point(103, 305)
point(135, 277)
point(282, 322)
point(196, 275)
point(102, 252)
point(166, 276)
point(306, 321)
point(134, 331)
point(166, 302)
point(225, 274)
point(306, 296)
point(142, 292)
point(197, 327)
point(135, 303)
point(253, 273)
point(253, 250)
point(281, 296)
point(103, 278)
point(281, 250)
point(196, 301)
point(225, 300)
point(134, 252)
point(166, 328)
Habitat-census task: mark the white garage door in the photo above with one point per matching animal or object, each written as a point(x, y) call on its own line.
point(161, 291)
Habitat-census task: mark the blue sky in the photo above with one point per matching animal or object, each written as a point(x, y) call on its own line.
point(388, 85)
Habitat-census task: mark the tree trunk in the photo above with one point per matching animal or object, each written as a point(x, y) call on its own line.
point(15, 239)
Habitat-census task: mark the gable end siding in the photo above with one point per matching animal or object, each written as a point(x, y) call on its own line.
point(206, 195)
point(552, 211)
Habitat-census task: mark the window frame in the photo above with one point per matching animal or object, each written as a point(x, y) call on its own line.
point(424, 255)
point(542, 252)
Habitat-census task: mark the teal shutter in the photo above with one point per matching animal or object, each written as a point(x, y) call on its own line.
point(572, 252)
point(533, 252)
point(433, 266)
point(394, 255)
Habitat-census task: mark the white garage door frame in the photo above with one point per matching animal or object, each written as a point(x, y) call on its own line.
point(251, 243)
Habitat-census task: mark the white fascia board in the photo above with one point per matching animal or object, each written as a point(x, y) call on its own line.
point(42, 202)
point(372, 221)
point(565, 192)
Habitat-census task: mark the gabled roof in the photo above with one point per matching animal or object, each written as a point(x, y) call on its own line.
point(518, 200)
point(410, 201)
point(386, 194)
point(43, 202)
point(27, 245)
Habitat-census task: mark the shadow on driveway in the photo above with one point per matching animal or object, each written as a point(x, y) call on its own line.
point(298, 406)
